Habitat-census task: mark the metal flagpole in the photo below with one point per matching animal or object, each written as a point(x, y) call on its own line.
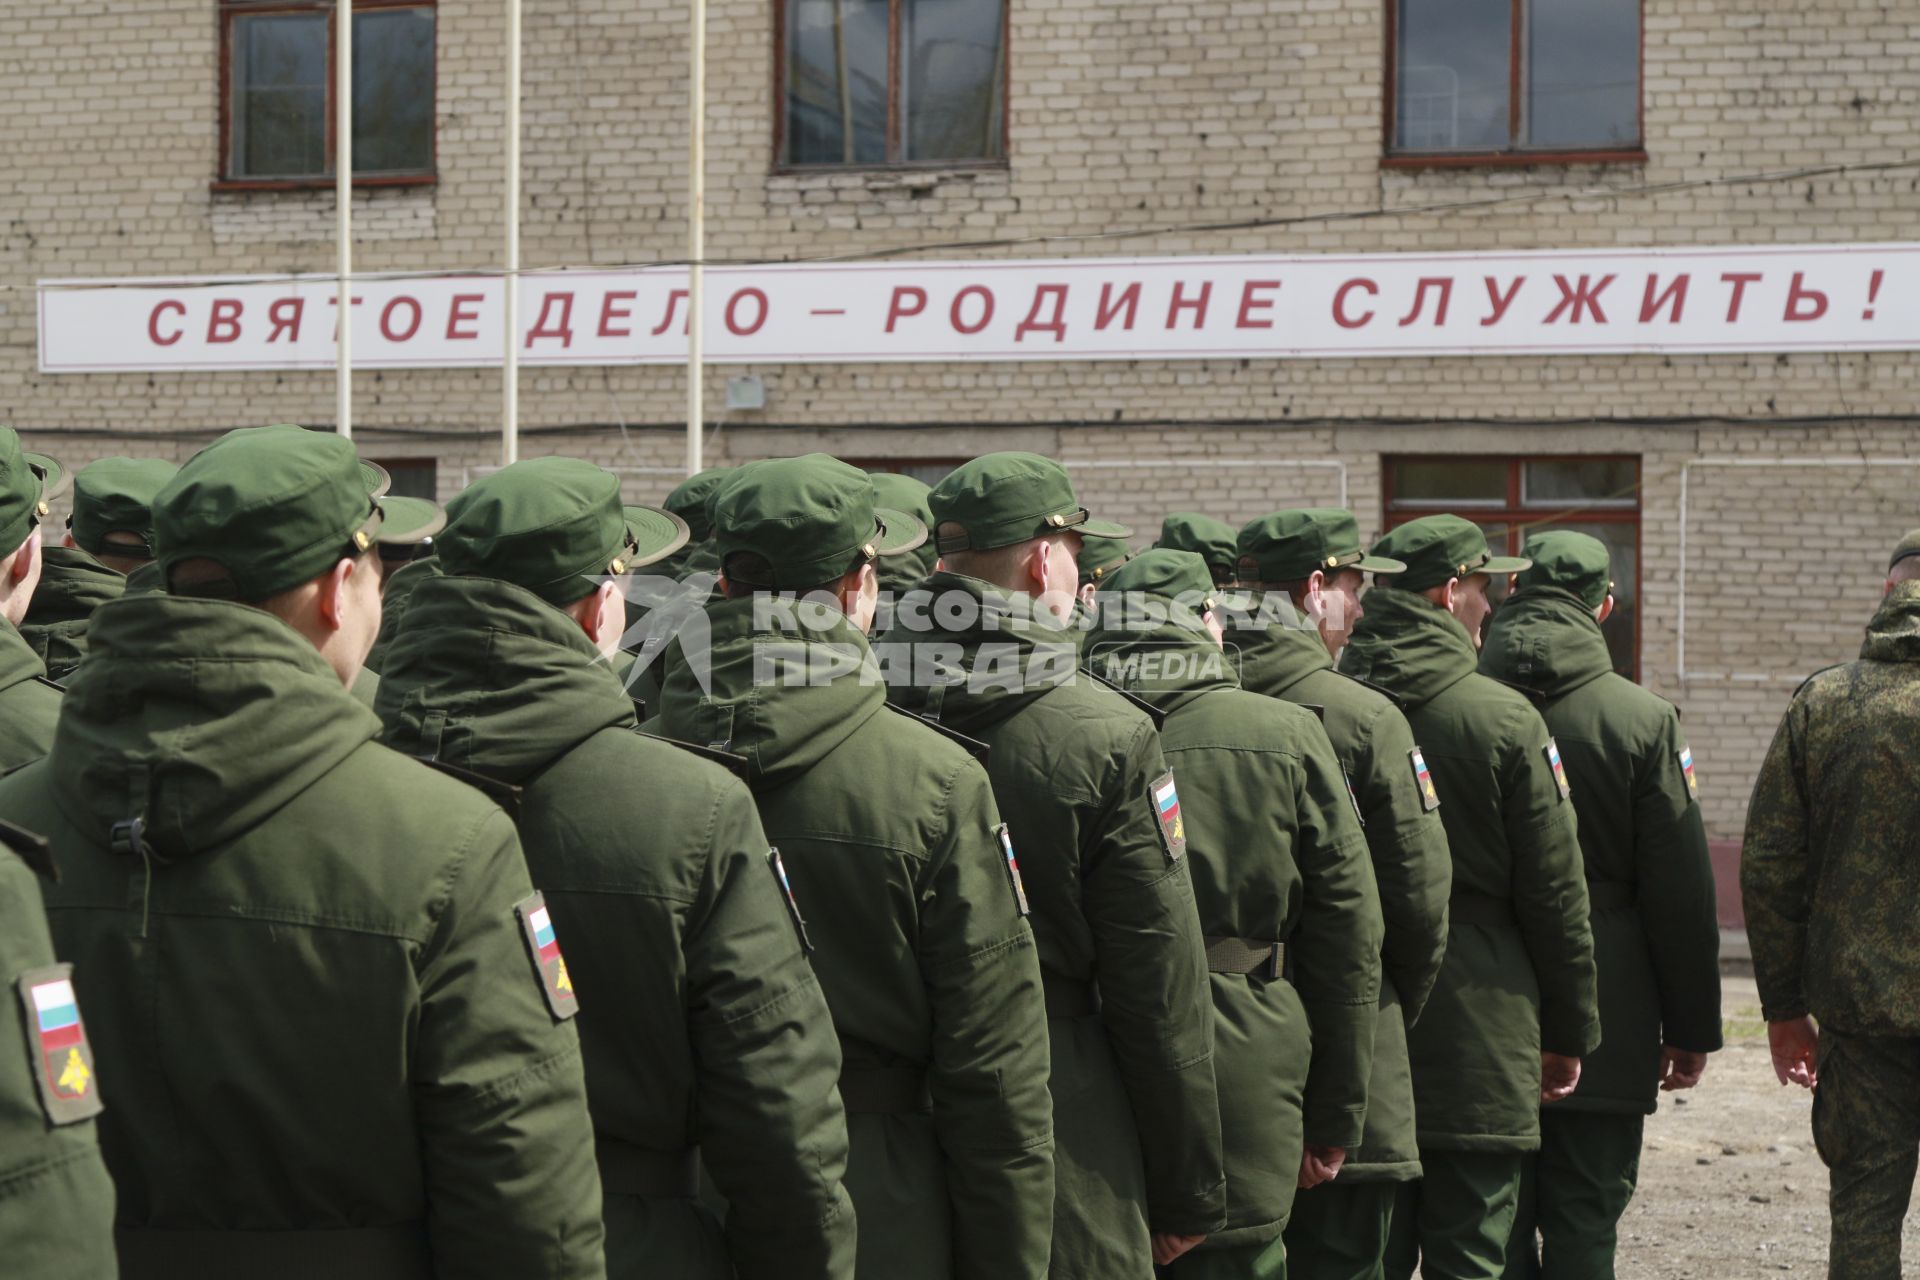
point(696, 236)
point(510, 282)
point(343, 199)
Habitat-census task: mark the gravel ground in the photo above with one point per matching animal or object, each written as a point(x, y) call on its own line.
point(1730, 1185)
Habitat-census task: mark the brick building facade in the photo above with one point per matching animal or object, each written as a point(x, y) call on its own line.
point(1783, 477)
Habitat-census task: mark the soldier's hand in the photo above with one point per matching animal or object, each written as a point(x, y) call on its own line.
point(1167, 1246)
point(1680, 1068)
point(1559, 1075)
point(1795, 1045)
point(1320, 1164)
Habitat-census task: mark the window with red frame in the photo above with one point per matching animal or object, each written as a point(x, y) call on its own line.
point(277, 91)
point(1516, 80)
point(1513, 497)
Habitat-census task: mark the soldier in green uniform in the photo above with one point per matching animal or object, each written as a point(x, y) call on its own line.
point(1830, 885)
point(706, 1037)
point(1079, 776)
point(1214, 541)
point(1286, 895)
point(1514, 1009)
point(888, 835)
point(397, 585)
point(1656, 934)
point(29, 701)
point(109, 535)
point(406, 535)
point(692, 500)
point(320, 984)
point(1098, 557)
point(900, 574)
point(1301, 573)
point(56, 1201)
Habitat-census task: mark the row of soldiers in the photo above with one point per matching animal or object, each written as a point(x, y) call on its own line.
point(1088, 923)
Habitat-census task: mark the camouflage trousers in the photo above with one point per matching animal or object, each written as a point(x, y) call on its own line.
point(1866, 1126)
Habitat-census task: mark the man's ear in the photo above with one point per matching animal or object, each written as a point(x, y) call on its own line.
point(1449, 594)
point(1036, 564)
point(333, 594)
point(1605, 610)
point(25, 559)
point(66, 540)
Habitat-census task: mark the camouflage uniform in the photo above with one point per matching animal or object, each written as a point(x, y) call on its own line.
point(1830, 882)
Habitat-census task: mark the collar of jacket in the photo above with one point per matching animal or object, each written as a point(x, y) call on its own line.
point(1010, 652)
point(485, 675)
point(1168, 664)
point(18, 662)
point(787, 686)
point(1409, 646)
point(1276, 656)
point(203, 718)
point(1894, 633)
point(1545, 639)
point(72, 585)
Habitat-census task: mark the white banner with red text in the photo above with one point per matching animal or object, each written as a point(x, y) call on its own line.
point(1589, 301)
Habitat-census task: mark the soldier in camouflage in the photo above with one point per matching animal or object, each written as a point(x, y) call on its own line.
point(1831, 886)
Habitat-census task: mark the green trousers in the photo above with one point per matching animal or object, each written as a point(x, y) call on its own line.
point(1455, 1221)
point(1574, 1192)
point(1339, 1231)
point(1232, 1262)
point(1866, 1126)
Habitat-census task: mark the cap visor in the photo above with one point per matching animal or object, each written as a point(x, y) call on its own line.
point(1378, 564)
point(378, 481)
point(1505, 564)
point(1091, 528)
point(407, 522)
point(657, 534)
point(903, 532)
point(55, 480)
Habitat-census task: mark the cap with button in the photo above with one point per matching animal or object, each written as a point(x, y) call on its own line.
point(115, 496)
point(1101, 556)
point(692, 500)
point(410, 526)
point(808, 520)
point(1165, 572)
point(1436, 549)
point(377, 478)
point(1290, 546)
point(1214, 541)
point(1574, 562)
point(1004, 498)
point(272, 506)
point(29, 484)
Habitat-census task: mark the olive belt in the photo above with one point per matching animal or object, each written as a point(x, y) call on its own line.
point(885, 1091)
point(399, 1252)
point(629, 1170)
point(1246, 955)
point(1610, 895)
point(1069, 999)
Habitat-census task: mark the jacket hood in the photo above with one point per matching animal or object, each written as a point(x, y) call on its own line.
point(1545, 639)
point(1894, 633)
point(1009, 652)
point(1409, 646)
point(487, 676)
point(1164, 662)
point(1279, 654)
point(203, 717)
point(72, 585)
point(787, 688)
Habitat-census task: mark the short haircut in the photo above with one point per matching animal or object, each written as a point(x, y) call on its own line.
point(748, 572)
point(994, 564)
point(207, 579)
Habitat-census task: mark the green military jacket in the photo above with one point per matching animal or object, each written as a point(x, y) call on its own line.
point(1656, 934)
point(1073, 763)
point(1518, 978)
point(704, 1025)
point(324, 1037)
point(886, 830)
point(56, 1201)
point(395, 595)
point(1276, 854)
point(1827, 871)
point(29, 701)
point(1408, 845)
point(72, 585)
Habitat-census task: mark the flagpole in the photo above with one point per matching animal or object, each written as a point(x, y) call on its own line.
point(343, 202)
point(510, 281)
point(696, 236)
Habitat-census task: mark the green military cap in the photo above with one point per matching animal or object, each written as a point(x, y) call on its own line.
point(551, 525)
point(411, 524)
point(1004, 498)
point(1101, 556)
point(1908, 548)
point(377, 478)
point(272, 506)
point(1214, 541)
point(692, 500)
point(1289, 546)
point(115, 495)
point(902, 493)
point(1574, 562)
point(657, 533)
point(811, 519)
point(1438, 548)
point(1163, 571)
point(29, 483)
